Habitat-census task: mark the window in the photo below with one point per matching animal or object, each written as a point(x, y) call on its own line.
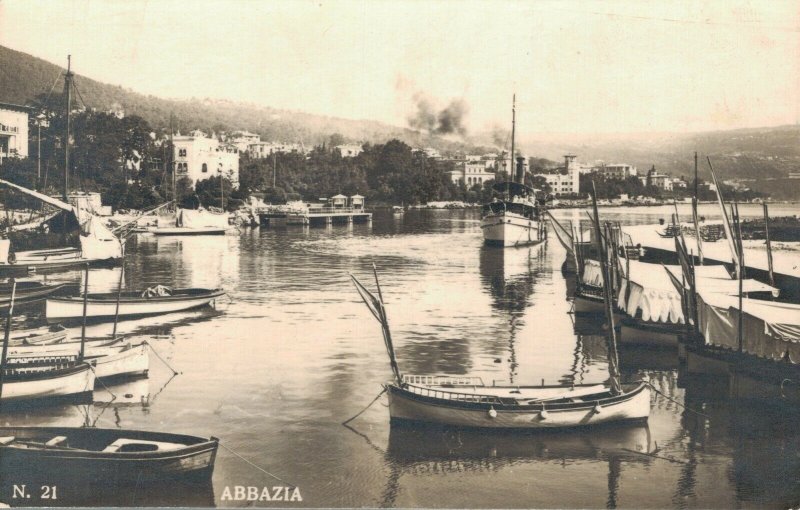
point(205, 168)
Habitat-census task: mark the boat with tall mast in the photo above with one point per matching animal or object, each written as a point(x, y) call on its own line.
point(514, 219)
point(95, 242)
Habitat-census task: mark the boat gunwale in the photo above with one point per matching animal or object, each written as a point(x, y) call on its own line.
point(136, 297)
point(505, 405)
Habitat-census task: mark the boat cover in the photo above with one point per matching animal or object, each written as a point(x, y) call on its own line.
point(189, 218)
point(97, 241)
point(769, 330)
point(652, 291)
point(592, 273)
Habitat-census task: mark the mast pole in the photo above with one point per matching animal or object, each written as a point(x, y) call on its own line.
point(172, 164)
point(694, 214)
point(68, 92)
point(85, 306)
point(513, 170)
point(769, 245)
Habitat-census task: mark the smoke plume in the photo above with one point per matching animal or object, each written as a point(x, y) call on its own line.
point(447, 121)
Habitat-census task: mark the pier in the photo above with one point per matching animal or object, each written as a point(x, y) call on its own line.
point(341, 211)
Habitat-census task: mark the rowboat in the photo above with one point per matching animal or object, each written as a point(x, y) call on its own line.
point(467, 402)
point(43, 336)
point(27, 292)
point(121, 457)
point(131, 304)
point(195, 223)
point(115, 358)
point(475, 405)
point(32, 381)
point(186, 231)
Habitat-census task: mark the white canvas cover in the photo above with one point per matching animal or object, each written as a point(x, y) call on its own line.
point(652, 291)
point(201, 219)
point(592, 273)
point(97, 241)
point(769, 330)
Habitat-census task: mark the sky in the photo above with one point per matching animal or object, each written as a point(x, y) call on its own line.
point(575, 66)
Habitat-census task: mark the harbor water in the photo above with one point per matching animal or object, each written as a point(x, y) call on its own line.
point(275, 368)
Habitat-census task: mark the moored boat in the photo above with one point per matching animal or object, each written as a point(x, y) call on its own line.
point(25, 380)
point(156, 301)
point(42, 336)
point(115, 456)
point(516, 407)
point(467, 402)
point(28, 292)
point(193, 223)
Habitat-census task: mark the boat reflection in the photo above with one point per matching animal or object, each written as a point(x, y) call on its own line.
point(420, 451)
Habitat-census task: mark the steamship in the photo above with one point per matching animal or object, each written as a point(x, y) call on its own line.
point(515, 219)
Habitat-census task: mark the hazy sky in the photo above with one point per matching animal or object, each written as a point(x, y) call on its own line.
point(576, 66)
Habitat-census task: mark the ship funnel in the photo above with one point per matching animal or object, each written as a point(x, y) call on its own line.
point(520, 169)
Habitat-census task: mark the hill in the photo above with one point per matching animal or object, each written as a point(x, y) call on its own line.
point(23, 77)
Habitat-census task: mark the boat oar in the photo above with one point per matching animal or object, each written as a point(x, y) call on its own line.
point(7, 336)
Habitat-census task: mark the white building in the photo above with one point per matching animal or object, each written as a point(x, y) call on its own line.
point(199, 157)
point(261, 150)
point(618, 171)
point(350, 150)
point(566, 180)
point(471, 171)
point(243, 139)
point(660, 181)
point(13, 131)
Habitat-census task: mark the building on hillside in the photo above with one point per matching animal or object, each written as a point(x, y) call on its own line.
point(564, 180)
point(678, 183)
point(243, 139)
point(794, 175)
point(471, 171)
point(13, 131)
point(431, 152)
point(199, 158)
point(660, 181)
point(350, 150)
point(617, 171)
point(261, 150)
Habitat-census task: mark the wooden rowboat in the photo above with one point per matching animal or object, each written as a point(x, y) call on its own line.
point(109, 359)
point(121, 457)
point(42, 336)
point(28, 292)
point(186, 231)
point(32, 381)
point(131, 304)
point(512, 407)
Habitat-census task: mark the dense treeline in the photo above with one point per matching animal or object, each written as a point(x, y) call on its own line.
point(390, 173)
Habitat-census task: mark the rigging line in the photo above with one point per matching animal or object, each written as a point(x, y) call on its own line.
point(49, 94)
point(368, 406)
point(290, 485)
point(75, 86)
point(675, 401)
point(174, 372)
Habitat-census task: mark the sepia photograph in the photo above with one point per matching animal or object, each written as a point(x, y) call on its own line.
point(400, 254)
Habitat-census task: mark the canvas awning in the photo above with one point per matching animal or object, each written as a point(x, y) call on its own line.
point(653, 294)
point(769, 330)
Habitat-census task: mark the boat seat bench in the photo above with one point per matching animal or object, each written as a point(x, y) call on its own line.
point(7, 440)
point(56, 441)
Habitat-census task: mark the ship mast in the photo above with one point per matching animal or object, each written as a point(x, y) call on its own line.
point(68, 94)
point(512, 170)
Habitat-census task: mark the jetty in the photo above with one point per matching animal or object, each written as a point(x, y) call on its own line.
point(338, 210)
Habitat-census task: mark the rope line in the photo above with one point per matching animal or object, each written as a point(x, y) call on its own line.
point(675, 401)
point(290, 485)
point(368, 406)
point(175, 372)
point(97, 379)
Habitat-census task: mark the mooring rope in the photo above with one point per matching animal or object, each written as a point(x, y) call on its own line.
point(113, 396)
point(290, 485)
point(675, 401)
point(175, 372)
point(368, 406)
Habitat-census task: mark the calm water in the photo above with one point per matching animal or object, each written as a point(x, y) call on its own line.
point(293, 353)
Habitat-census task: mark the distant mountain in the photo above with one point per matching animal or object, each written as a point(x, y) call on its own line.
point(760, 157)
